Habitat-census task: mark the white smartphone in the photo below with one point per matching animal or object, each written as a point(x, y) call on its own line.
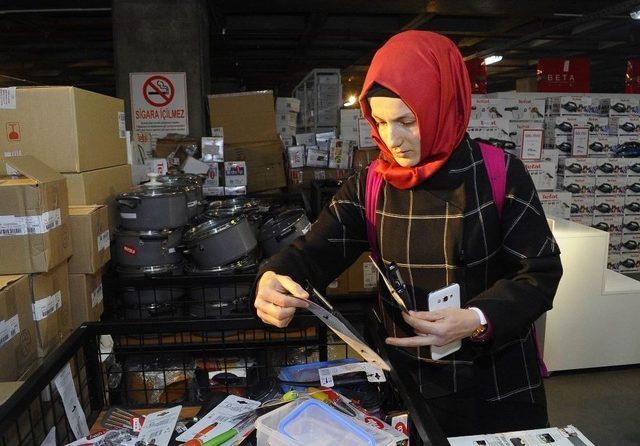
point(447, 297)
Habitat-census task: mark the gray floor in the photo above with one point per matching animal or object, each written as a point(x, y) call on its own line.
point(603, 404)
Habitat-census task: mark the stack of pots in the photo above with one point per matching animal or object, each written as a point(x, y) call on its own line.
point(282, 229)
point(152, 218)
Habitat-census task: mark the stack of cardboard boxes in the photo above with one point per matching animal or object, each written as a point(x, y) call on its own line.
point(75, 155)
point(252, 150)
point(287, 110)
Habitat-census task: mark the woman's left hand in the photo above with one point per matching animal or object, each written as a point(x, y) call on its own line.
point(438, 327)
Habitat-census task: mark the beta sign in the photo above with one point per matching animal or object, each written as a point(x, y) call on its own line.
point(159, 103)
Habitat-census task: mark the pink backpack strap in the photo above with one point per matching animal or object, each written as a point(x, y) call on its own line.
point(494, 161)
point(371, 194)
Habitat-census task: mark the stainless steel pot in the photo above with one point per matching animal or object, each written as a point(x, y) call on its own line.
point(153, 206)
point(279, 232)
point(233, 207)
point(219, 242)
point(192, 188)
point(152, 303)
point(148, 248)
point(152, 270)
point(225, 298)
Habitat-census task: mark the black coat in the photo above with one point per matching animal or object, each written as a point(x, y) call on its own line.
point(446, 230)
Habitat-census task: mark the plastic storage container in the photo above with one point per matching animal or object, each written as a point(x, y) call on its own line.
point(307, 422)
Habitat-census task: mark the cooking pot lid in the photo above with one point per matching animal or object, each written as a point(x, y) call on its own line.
point(135, 271)
point(162, 234)
point(232, 207)
point(153, 190)
point(211, 227)
point(244, 264)
point(280, 224)
point(183, 182)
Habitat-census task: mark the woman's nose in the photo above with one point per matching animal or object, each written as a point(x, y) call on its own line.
point(393, 138)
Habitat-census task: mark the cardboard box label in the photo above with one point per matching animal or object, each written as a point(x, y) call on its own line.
point(11, 225)
point(96, 296)
point(41, 224)
point(8, 98)
point(45, 307)
point(122, 126)
point(235, 173)
point(8, 329)
point(532, 144)
point(103, 240)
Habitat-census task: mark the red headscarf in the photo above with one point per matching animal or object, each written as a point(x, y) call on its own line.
point(427, 72)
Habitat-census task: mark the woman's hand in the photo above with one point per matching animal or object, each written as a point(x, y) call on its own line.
point(437, 327)
point(273, 299)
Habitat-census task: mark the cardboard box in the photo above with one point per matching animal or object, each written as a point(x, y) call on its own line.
point(611, 166)
point(631, 224)
point(194, 166)
point(51, 307)
point(615, 239)
point(246, 118)
point(340, 154)
point(17, 329)
point(86, 297)
point(576, 167)
point(585, 220)
point(349, 124)
point(317, 157)
point(623, 105)
point(91, 238)
point(340, 285)
point(324, 139)
point(364, 134)
point(556, 204)
point(633, 186)
point(632, 205)
point(296, 156)
point(288, 105)
point(543, 174)
point(235, 174)
point(304, 177)
point(363, 276)
point(100, 187)
point(34, 216)
point(69, 129)
point(574, 105)
point(630, 242)
point(602, 145)
point(608, 223)
point(629, 262)
point(306, 139)
point(265, 164)
point(613, 261)
point(211, 184)
point(286, 118)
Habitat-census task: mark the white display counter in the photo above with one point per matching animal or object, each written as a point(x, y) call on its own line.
point(595, 320)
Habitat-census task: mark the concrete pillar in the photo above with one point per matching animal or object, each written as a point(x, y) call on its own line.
point(164, 35)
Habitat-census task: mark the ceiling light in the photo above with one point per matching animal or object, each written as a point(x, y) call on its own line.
point(350, 101)
point(492, 59)
point(635, 15)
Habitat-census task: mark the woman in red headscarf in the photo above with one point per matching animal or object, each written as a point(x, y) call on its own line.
point(437, 219)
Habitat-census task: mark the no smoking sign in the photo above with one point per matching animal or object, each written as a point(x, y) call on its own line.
point(158, 91)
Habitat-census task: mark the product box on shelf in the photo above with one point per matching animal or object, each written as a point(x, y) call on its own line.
point(631, 224)
point(233, 191)
point(584, 220)
point(543, 174)
point(628, 138)
point(349, 124)
point(608, 204)
point(633, 167)
point(577, 167)
point(286, 131)
point(305, 139)
point(624, 125)
point(581, 204)
point(556, 204)
point(629, 262)
point(212, 149)
point(364, 134)
point(490, 129)
point(575, 105)
point(340, 154)
point(67, 128)
point(51, 307)
point(584, 185)
point(90, 237)
point(34, 216)
point(86, 297)
point(286, 119)
point(598, 125)
point(601, 145)
point(565, 125)
point(608, 223)
point(623, 105)
point(611, 185)
point(611, 166)
point(296, 156)
point(235, 174)
point(317, 157)
point(264, 164)
point(528, 137)
point(632, 205)
point(615, 240)
point(17, 328)
point(633, 186)
point(630, 242)
point(613, 261)
point(324, 139)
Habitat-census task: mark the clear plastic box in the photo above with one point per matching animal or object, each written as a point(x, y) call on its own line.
point(315, 424)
